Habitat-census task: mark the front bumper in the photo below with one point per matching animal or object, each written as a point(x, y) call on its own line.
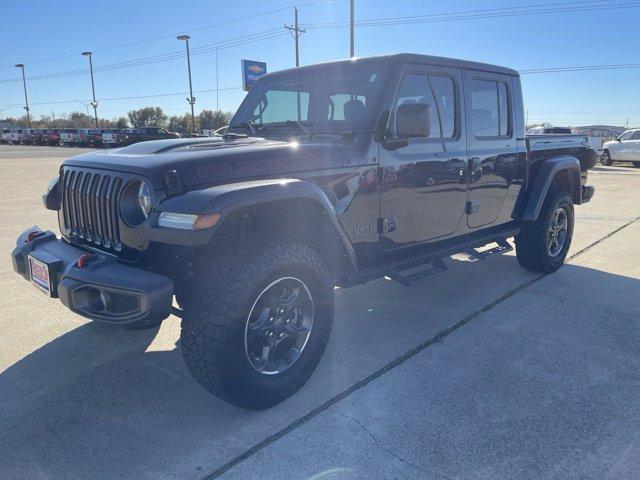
point(98, 287)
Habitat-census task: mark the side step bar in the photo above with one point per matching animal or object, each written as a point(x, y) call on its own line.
point(434, 267)
point(436, 264)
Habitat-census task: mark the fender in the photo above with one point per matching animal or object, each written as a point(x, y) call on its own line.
point(549, 168)
point(227, 198)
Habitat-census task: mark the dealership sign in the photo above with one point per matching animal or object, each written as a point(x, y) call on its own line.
point(251, 72)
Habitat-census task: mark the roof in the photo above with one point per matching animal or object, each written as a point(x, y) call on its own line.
point(406, 58)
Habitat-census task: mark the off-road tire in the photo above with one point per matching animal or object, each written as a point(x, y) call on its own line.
point(605, 159)
point(216, 309)
point(531, 243)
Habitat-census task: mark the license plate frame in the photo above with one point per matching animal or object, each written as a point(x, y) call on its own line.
point(40, 274)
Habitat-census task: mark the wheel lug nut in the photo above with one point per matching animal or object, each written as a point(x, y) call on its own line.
point(269, 334)
point(280, 335)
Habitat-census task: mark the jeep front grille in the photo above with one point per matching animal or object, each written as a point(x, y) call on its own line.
point(90, 207)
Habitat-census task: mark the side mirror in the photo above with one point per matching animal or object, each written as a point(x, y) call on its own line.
point(413, 120)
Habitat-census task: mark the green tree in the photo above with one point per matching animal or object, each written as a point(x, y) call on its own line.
point(120, 122)
point(182, 123)
point(213, 119)
point(153, 116)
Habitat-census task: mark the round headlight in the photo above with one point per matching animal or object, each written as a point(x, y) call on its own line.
point(136, 202)
point(145, 198)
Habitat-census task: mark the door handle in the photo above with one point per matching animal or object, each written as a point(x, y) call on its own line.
point(475, 169)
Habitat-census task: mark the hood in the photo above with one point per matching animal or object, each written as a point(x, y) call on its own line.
point(209, 161)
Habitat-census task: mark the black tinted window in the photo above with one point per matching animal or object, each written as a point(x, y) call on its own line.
point(636, 135)
point(489, 108)
point(437, 92)
point(445, 96)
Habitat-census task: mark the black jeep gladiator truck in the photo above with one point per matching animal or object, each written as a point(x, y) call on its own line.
point(329, 175)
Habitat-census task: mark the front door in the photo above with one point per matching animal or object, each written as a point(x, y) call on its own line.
point(491, 143)
point(425, 183)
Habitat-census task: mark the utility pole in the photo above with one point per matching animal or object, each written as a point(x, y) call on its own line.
point(26, 100)
point(217, 83)
point(191, 98)
point(94, 104)
point(352, 49)
point(295, 33)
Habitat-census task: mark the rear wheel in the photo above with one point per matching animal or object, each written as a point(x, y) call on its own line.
point(542, 246)
point(256, 324)
point(605, 158)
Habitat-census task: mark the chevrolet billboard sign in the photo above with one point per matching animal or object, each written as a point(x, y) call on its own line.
point(251, 72)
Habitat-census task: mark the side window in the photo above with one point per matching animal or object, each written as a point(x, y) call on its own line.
point(489, 109)
point(636, 135)
point(415, 89)
point(626, 135)
point(445, 96)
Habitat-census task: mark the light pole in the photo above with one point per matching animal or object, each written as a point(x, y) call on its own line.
point(85, 104)
point(191, 98)
point(94, 104)
point(352, 48)
point(26, 100)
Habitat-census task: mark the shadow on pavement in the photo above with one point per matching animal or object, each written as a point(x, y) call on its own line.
point(94, 403)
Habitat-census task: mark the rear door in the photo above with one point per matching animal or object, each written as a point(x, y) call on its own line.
point(424, 183)
point(491, 144)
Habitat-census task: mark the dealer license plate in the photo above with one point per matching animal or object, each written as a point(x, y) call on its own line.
point(40, 275)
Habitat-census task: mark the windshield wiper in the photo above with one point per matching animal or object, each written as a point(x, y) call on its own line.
point(288, 123)
point(249, 125)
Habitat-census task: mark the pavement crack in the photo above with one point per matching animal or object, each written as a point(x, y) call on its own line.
point(437, 338)
point(388, 450)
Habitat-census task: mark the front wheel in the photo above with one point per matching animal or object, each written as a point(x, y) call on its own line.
point(256, 324)
point(542, 246)
point(605, 159)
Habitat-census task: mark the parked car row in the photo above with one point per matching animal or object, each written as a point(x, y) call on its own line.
point(84, 137)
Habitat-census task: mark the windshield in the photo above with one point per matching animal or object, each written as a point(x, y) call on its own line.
point(338, 98)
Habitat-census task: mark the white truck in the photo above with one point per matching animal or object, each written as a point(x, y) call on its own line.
point(15, 136)
point(68, 136)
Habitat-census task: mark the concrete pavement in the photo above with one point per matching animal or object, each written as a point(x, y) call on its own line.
point(80, 400)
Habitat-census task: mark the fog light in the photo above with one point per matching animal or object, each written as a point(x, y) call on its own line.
point(99, 299)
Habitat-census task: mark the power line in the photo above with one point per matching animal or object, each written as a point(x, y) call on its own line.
point(165, 57)
point(567, 7)
point(523, 72)
point(172, 35)
point(580, 68)
point(134, 97)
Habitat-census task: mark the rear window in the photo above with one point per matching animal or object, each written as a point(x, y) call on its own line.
point(490, 110)
point(558, 131)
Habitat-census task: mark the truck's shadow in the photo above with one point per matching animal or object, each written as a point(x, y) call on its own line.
point(95, 403)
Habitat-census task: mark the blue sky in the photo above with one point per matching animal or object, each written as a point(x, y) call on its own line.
point(33, 31)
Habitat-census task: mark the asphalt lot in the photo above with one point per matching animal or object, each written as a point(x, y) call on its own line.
point(487, 371)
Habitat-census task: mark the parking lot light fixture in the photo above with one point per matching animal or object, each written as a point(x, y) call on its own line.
point(26, 100)
point(94, 104)
point(191, 98)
